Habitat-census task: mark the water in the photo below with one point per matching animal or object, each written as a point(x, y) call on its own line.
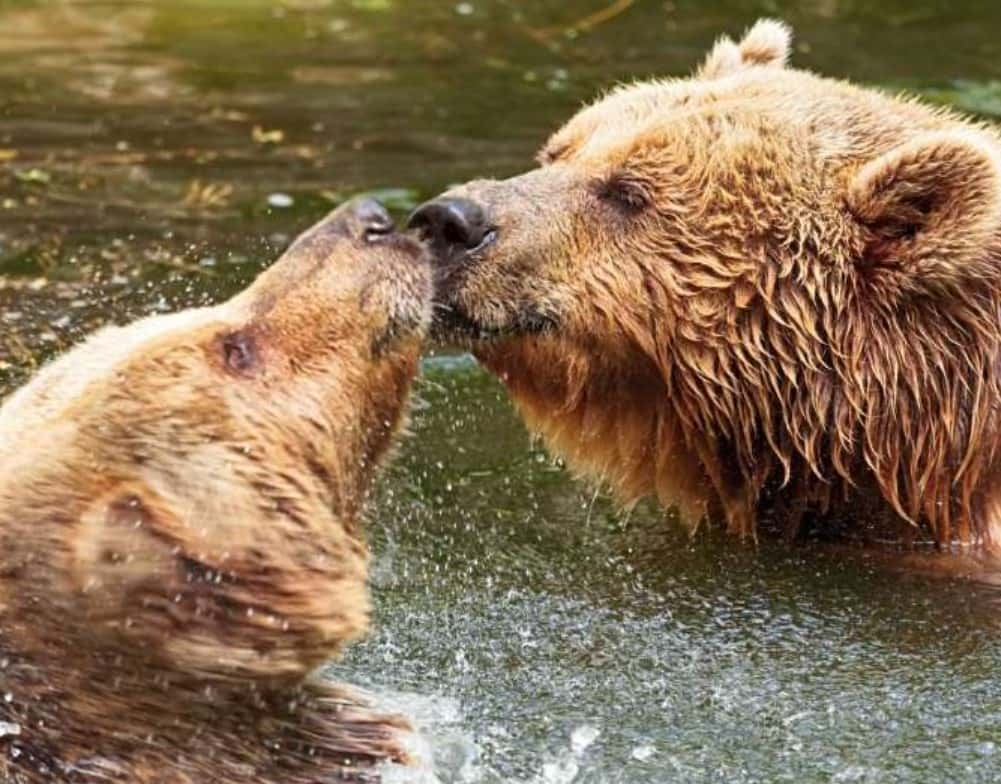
point(157, 155)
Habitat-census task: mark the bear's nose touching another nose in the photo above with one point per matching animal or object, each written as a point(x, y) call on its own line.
point(451, 225)
point(180, 535)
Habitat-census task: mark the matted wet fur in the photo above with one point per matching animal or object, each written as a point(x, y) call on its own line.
point(763, 296)
point(179, 537)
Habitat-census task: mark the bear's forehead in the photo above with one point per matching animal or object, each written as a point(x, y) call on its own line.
point(838, 121)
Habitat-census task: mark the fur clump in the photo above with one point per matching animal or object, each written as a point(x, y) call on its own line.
point(106, 721)
point(180, 545)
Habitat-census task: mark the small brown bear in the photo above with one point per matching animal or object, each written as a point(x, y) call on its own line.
point(179, 535)
point(760, 295)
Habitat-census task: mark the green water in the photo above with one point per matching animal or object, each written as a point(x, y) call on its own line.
point(536, 635)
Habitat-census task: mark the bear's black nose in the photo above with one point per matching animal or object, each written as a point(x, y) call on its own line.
point(374, 218)
point(450, 224)
point(359, 218)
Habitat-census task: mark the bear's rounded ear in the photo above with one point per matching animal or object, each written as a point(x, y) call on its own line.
point(766, 43)
point(930, 209)
point(123, 537)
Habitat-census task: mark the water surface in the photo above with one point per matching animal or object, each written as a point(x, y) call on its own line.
point(155, 156)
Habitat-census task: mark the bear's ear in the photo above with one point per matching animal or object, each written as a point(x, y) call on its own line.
point(123, 537)
point(766, 43)
point(929, 209)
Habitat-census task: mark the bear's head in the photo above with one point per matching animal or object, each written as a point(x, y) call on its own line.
point(187, 488)
point(747, 278)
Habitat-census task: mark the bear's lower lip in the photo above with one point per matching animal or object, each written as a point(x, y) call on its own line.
point(452, 322)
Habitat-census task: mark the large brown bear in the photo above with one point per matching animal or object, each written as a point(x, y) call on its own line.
point(179, 534)
point(758, 294)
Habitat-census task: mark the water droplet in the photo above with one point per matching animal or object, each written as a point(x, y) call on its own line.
point(643, 753)
point(582, 737)
point(561, 772)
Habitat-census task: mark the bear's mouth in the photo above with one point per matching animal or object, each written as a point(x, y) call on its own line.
point(453, 323)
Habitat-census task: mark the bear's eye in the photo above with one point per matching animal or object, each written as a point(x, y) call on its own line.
point(628, 195)
point(239, 350)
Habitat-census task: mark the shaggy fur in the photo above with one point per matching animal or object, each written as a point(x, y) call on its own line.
point(179, 537)
point(762, 295)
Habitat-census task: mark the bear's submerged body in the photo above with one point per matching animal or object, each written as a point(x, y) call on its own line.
point(765, 297)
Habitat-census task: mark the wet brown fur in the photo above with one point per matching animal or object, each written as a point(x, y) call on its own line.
point(786, 315)
point(179, 537)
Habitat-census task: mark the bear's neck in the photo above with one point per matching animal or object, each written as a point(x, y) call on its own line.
point(917, 441)
point(342, 457)
point(609, 418)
